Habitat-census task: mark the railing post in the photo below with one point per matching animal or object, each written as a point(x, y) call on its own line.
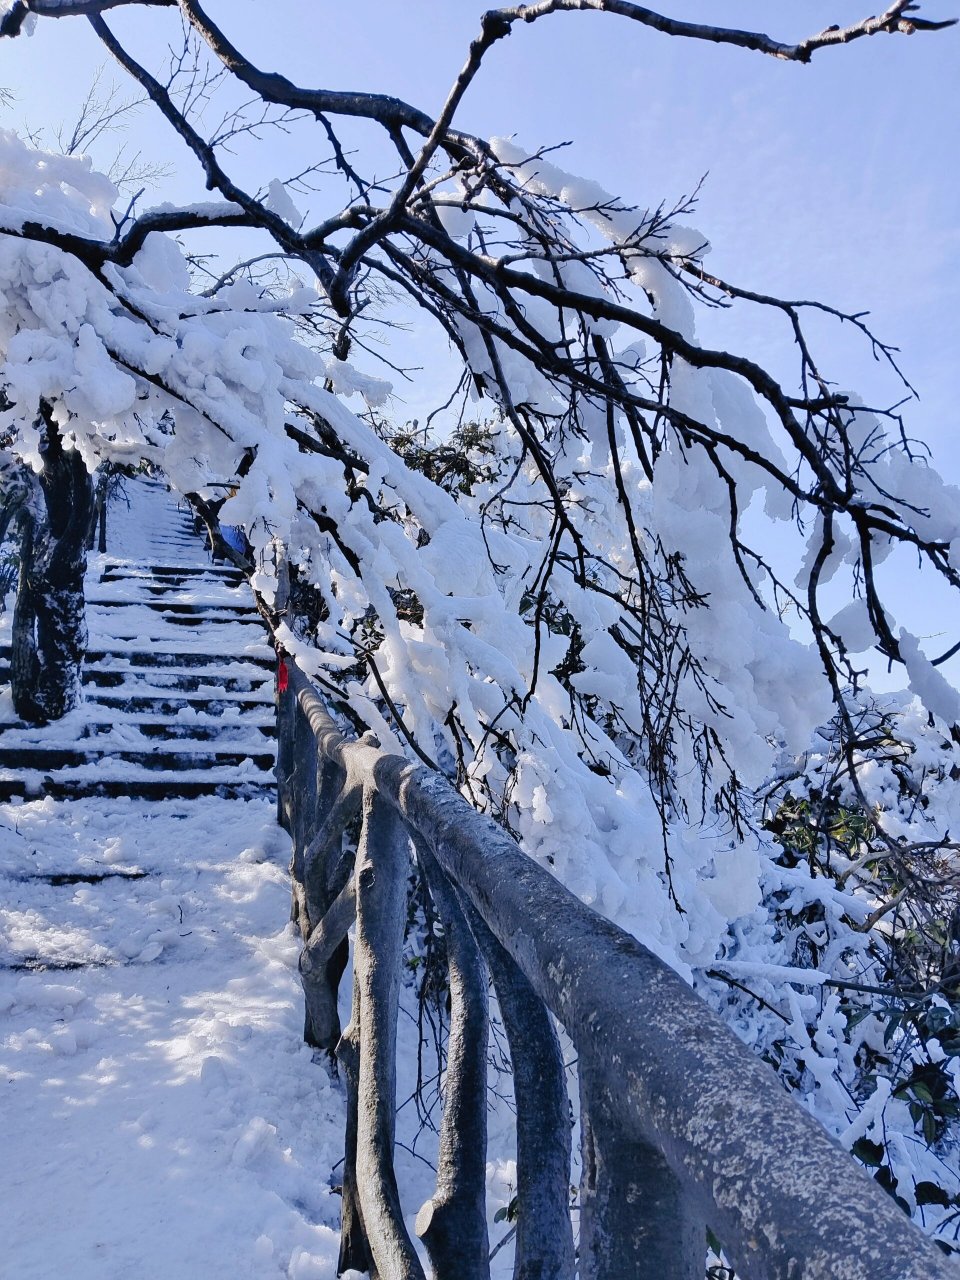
point(381, 891)
point(544, 1248)
point(287, 710)
point(634, 1217)
point(322, 962)
point(453, 1222)
point(326, 907)
point(663, 1080)
point(297, 780)
point(304, 782)
point(331, 810)
point(354, 1248)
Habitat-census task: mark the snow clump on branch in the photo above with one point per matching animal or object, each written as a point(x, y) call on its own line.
point(582, 638)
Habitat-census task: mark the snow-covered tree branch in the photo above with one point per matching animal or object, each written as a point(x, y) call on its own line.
point(583, 622)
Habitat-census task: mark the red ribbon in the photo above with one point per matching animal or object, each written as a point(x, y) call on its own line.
point(283, 678)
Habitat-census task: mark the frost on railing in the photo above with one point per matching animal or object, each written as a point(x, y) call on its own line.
point(682, 1127)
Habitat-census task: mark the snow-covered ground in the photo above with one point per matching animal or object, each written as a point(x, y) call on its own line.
point(160, 1116)
point(178, 680)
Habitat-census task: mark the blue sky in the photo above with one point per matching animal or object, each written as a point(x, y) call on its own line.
point(836, 181)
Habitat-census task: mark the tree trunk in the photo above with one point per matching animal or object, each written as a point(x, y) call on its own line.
point(49, 626)
point(98, 516)
point(24, 663)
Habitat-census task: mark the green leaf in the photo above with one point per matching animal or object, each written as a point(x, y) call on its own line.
point(891, 1029)
point(868, 1153)
point(929, 1128)
point(854, 1019)
point(931, 1193)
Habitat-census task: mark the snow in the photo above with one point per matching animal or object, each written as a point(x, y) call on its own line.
point(776, 973)
point(280, 202)
point(852, 624)
point(60, 191)
point(141, 369)
point(231, 371)
point(151, 1057)
point(870, 1117)
point(152, 1062)
point(163, 1096)
point(936, 693)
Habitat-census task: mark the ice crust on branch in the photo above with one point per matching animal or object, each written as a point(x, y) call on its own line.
point(590, 638)
point(138, 366)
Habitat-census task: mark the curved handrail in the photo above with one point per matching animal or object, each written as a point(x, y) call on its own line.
point(683, 1124)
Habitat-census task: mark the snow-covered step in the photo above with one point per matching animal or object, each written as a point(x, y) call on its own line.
point(168, 703)
point(225, 732)
point(256, 663)
point(252, 735)
point(217, 610)
point(182, 631)
point(185, 653)
point(135, 684)
point(190, 753)
point(204, 679)
point(119, 620)
point(189, 721)
point(201, 569)
point(190, 585)
point(140, 574)
point(180, 785)
point(106, 617)
point(172, 658)
point(261, 656)
point(207, 592)
point(116, 730)
point(206, 683)
point(212, 694)
point(200, 677)
point(178, 680)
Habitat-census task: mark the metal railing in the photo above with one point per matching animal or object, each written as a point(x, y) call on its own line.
point(682, 1126)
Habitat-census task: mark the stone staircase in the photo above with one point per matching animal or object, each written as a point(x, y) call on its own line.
point(178, 679)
